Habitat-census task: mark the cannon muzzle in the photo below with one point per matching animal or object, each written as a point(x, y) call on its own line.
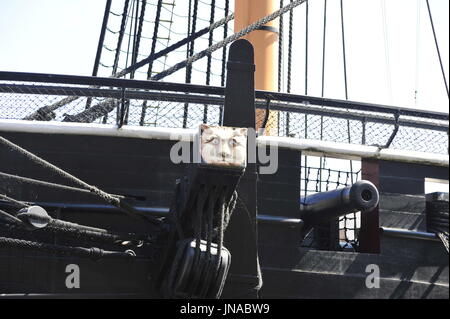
point(325, 206)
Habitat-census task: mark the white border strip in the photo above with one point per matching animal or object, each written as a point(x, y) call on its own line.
point(308, 147)
point(153, 133)
point(353, 151)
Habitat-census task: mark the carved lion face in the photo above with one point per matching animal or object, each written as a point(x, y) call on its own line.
point(223, 146)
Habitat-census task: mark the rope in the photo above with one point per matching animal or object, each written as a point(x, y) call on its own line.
point(110, 104)
point(192, 43)
point(224, 57)
point(60, 227)
point(323, 81)
point(210, 41)
point(190, 53)
point(48, 109)
point(202, 196)
point(306, 80)
point(155, 36)
point(230, 39)
point(175, 46)
point(121, 35)
point(289, 75)
point(94, 190)
point(208, 64)
point(437, 47)
point(9, 217)
point(291, 29)
point(280, 50)
point(131, 34)
point(438, 221)
point(46, 113)
point(15, 203)
point(67, 251)
point(152, 52)
point(139, 33)
point(46, 184)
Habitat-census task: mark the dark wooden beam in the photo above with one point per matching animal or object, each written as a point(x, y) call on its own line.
point(369, 235)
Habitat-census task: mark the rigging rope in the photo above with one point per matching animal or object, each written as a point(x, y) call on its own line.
point(190, 53)
point(9, 217)
point(121, 35)
point(117, 202)
point(252, 27)
point(322, 159)
point(139, 34)
point(289, 72)
point(306, 81)
point(152, 53)
point(77, 231)
point(290, 40)
point(437, 47)
point(94, 253)
point(37, 182)
point(15, 203)
point(46, 112)
point(208, 64)
point(280, 50)
point(224, 57)
point(202, 54)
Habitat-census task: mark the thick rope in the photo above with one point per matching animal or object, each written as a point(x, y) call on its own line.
point(94, 253)
point(437, 47)
point(139, 35)
point(9, 217)
point(224, 49)
point(121, 35)
point(60, 227)
point(204, 53)
point(94, 190)
point(209, 62)
point(46, 113)
point(289, 72)
point(14, 202)
point(37, 182)
point(152, 52)
point(230, 39)
point(280, 50)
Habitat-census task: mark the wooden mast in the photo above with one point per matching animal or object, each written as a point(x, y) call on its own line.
point(265, 43)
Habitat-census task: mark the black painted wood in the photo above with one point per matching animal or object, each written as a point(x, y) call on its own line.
point(241, 236)
point(408, 178)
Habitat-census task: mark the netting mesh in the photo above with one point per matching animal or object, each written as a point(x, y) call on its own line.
point(160, 109)
point(320, 174)
point(156, 108)
point(131, 35)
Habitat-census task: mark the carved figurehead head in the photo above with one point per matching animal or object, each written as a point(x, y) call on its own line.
point(223, 146)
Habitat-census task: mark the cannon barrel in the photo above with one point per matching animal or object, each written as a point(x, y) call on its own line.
point(324, 206)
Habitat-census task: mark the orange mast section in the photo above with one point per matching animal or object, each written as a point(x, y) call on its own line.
point(265, 42)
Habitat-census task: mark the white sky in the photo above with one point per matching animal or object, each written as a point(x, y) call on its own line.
point(60, 36)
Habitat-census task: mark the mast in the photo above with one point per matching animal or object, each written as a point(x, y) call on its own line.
point(265, 43)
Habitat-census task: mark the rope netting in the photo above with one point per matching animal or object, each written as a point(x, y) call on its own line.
point(147, 39)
